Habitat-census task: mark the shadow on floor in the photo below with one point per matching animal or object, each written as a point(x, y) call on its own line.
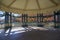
point(34, 35)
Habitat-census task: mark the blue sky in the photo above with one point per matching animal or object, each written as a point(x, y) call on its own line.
point(1, 12)
point(3, 16)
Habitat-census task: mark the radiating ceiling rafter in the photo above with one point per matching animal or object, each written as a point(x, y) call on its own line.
point(11, 3)
point(54, 2)
point(26, 4)
point(38, 4)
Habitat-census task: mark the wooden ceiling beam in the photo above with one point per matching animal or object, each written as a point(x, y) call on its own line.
point(26, 4)
point(38, 4)
point(54, 2)
point(11, 3)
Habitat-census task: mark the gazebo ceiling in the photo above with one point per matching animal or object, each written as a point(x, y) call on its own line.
point(30, 4)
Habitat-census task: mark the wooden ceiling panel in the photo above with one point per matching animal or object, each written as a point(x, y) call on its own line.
point(45, 4)
point(32, 4)
point(20, 4)
point(57, 1)
point(6, 2)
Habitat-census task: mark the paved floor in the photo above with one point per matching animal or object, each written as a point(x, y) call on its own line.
point(34, 34)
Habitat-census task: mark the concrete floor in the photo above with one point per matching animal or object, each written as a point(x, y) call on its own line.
point(37, 33)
